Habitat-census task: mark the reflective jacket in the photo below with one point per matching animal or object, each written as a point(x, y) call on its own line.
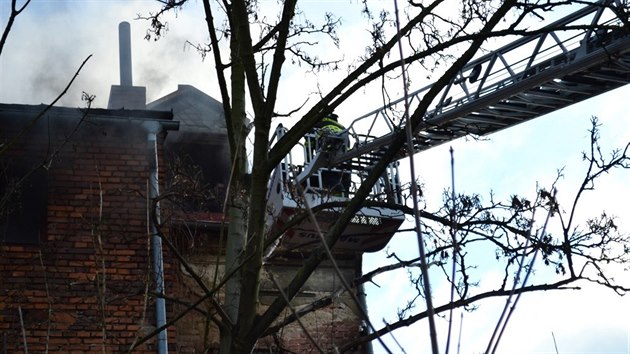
point(328, 126)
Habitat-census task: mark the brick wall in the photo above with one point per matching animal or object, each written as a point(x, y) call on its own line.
point(331, 326)
point(83, 287)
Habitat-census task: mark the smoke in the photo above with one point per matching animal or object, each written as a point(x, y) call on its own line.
point(50, 40)
point(154, 79)
point(151, 127)
point(43, 52)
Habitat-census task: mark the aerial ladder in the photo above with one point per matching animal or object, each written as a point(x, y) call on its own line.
point(523, 80)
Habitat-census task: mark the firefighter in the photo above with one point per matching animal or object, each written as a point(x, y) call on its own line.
point(331, 134)
point(332, 137)
point(327, 133)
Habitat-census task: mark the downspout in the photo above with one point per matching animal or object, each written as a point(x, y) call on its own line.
point(156, 241)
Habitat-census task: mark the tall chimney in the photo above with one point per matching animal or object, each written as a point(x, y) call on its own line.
point(126, 95)
point(124, 50)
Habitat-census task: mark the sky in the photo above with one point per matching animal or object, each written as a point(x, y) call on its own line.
point(52, 38)
point(513, 161)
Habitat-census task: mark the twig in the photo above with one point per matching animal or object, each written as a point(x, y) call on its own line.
point(313, 306)
point(414, 190)
point(391, 333)
point(30, 124)
point(187, 266)
point(209, 294)
point(461, 325)
point(14, 13)
point(527, 274)
point(49, 322)
point(454, 243)
point(334, 263)
point(145, 300)
point(297, 317)
point(100, 280)
point(137, 342)
point(514, 286)
point(23, 330)
point(50, 156)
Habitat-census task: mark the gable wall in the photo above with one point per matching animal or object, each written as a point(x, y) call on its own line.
point(83, 287)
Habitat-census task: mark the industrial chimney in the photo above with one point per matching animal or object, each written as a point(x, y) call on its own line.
point(124, 52)
point(126, 95)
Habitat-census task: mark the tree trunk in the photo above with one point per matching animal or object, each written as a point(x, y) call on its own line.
point(237, 212)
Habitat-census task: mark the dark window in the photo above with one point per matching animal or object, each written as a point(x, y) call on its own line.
point(199, 173)
point(23, 200)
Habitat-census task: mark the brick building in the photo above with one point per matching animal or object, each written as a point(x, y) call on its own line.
point(76, 270)
point(81, 264)
point(74, 250)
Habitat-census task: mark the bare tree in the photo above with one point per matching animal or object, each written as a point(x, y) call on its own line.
point(250, 73)
point(523, 243)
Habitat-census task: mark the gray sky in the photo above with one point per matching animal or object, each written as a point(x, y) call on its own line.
point(51, 39)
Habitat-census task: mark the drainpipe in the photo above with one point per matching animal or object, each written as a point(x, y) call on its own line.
point(156, 243)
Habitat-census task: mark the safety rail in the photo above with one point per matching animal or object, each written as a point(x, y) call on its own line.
point(371, 227)
point(330, 181)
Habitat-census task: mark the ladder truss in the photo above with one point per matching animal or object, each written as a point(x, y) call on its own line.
point(523, 80)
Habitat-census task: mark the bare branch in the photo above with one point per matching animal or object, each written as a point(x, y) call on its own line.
point(14, 13)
